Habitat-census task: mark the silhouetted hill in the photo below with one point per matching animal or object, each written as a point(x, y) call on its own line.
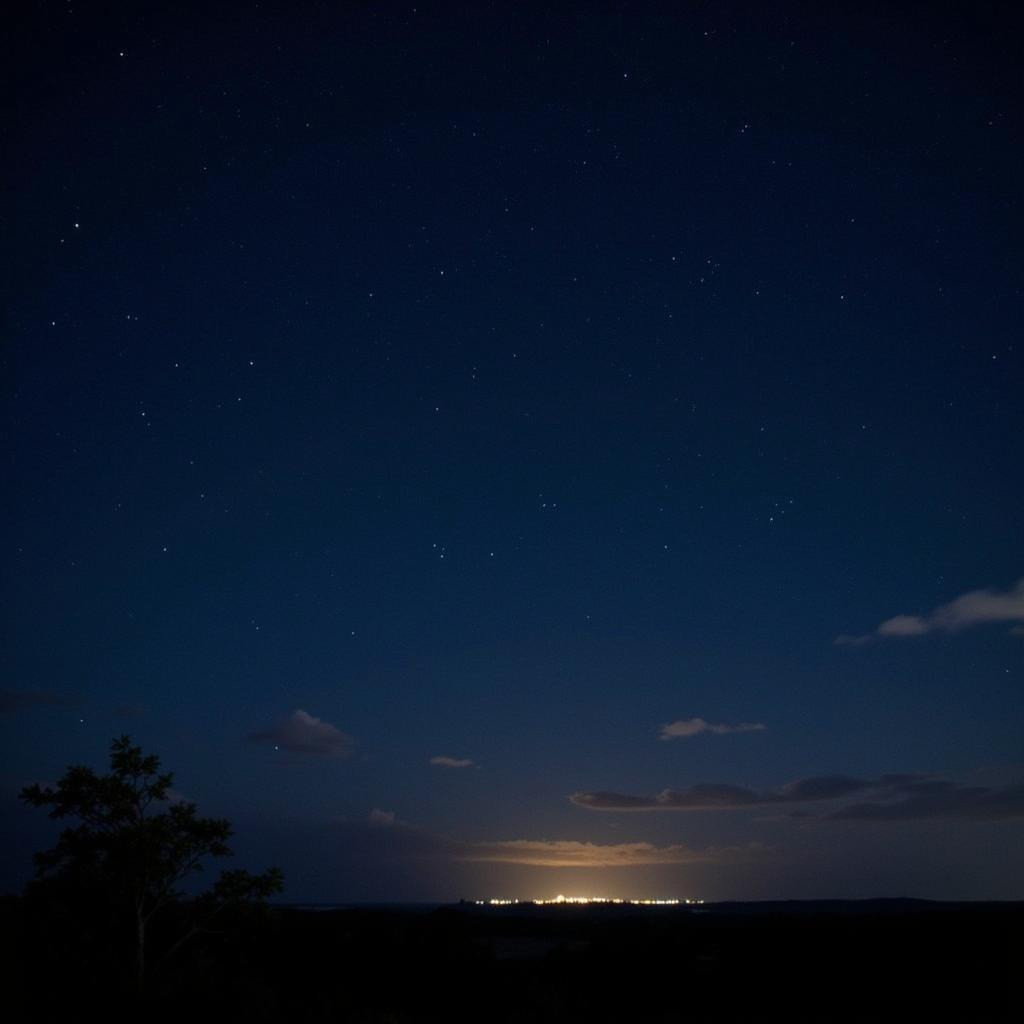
point(874, 960)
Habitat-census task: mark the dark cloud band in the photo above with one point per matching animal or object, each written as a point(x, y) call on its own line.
point(892, 798)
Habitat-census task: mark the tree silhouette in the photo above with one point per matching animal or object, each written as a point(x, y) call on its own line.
point(135, 846)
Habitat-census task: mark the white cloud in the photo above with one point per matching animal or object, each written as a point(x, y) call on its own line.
point(980, 606)
point(853, 639)
point(443, 761)
point(379, 817)
point(685, 727)
point(975, 608)
point(903, 625)
point(301, 733)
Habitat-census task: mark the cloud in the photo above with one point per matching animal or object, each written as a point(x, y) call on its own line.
point(709, 796)
point(573, 854)
point(416, 843)
point(693, 726)
point(903, 625)
point(452, 762)
point(940, 799)
point(891, 797)
point(853, 640)
point(825, 787)
point(721, 797)
point(976, 608)
point(354, 860)
point(21, 700)
point(301, 733)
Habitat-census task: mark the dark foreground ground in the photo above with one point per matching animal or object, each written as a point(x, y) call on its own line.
point(873, 961)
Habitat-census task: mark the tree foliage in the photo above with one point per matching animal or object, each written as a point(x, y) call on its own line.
point(135, 845)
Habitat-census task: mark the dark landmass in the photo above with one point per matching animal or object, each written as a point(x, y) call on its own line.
point(876, 960)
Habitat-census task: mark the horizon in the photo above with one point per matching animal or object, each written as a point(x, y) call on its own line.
point(526, 903)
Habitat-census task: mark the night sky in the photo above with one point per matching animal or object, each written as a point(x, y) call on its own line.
point(494, 451)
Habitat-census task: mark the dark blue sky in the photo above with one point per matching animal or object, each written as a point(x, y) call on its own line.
point(387, 383)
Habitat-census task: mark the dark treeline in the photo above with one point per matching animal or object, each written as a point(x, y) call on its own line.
point(897, 961)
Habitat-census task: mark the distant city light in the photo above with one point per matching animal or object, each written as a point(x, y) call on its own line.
point(560, 899)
